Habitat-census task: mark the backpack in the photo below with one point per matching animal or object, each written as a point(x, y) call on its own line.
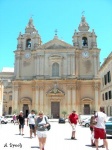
point(93, 121)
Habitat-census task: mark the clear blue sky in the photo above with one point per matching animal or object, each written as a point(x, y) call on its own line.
point(48, 15)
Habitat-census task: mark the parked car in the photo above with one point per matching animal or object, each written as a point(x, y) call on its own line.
point(109, 125)
point(109, 119)
point(83, 117)
point(108, 128)
point(3, 120)
point(9, 118)
point(86, 122)
point(61, 120)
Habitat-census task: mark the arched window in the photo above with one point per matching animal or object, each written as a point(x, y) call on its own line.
point(84, 41)
point(28, 43)
point(55, 70)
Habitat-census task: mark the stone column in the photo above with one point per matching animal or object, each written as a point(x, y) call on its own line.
point(46, 66)
point(78, 102)
point(77, 64)
point(64, 67)
point(96, 88)
point(33, 97)
point(35, 65)
point(37, 98)
point(16, 98)
point(69, 99)
point(74, 106)
point(95, 65)
point(41, 65)
point(17, 66)
point(41, 97)
point(73, 65)
point(38, 65)
point(68, 64)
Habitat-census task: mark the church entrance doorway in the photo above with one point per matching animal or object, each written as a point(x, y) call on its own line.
point(86, 109)
point(55, 109)
point(25, 110)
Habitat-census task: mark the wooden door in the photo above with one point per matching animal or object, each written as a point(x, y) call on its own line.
point(86, 109)
point(55, 109)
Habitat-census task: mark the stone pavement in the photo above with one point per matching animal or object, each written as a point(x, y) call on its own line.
point(58, 138)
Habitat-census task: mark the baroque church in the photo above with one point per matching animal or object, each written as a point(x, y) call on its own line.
point(56, 76)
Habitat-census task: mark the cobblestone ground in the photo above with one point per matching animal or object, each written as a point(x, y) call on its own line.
point(58, 138)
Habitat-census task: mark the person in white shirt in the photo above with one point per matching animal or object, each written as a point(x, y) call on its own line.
point(99, 128)
point(31, 121)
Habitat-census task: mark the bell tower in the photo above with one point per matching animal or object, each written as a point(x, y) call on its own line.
point(87, 53)
point(84, 38)
point(27, 45)
point(31, 39)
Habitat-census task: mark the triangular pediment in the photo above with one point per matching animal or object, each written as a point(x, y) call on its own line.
point(56, 44)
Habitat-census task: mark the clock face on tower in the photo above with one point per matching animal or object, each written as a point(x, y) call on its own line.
point(85, 54)
point(27, 55)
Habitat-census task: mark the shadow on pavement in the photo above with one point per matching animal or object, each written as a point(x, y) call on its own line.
point(19, 134)
point(89, 145)
point(70, 139)
point(100, 146)
point(35, 147)
point(26, 137)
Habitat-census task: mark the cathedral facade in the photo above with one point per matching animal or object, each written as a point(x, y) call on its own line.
point(56, 77)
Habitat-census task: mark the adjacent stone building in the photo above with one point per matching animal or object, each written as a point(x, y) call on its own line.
point(6, 76)
point(106, 84)
point(1, 97)
point(56, 76)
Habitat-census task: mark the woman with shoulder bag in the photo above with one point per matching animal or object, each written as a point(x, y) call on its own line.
point(41, 123)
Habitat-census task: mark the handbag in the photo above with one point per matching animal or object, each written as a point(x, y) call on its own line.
point(49, 126)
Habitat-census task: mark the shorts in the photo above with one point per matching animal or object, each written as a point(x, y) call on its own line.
point(21, 126)
point(91, 128)
point(99, 133)
point(73, 127)
point(32, 126)
point(41, 134)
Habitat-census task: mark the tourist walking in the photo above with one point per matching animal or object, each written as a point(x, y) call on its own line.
point(14, 119)
point(41, 123)
point(21, 121)
point(99, 128)
point(31, 122)
point(73, 119)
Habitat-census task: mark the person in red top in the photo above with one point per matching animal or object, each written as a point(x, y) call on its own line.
point(73, 119)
